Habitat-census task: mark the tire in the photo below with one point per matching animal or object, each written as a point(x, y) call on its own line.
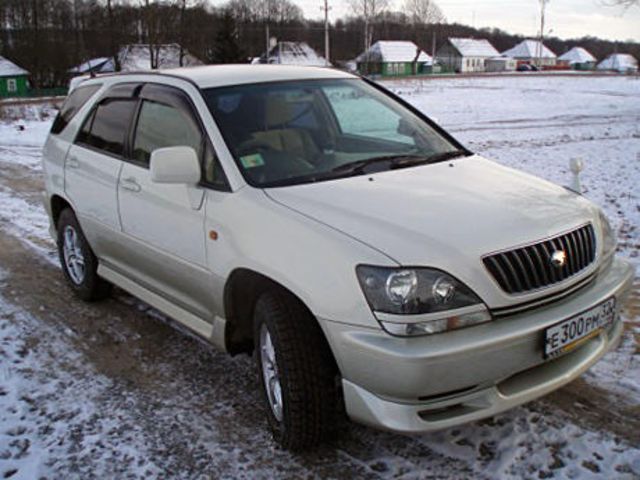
point(79, 264)
point(305, 370)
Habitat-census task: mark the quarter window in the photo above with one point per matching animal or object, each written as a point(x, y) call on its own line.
point(109, 126)
point(74, 102)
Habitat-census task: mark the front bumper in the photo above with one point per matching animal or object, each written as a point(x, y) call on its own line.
point(414, 385)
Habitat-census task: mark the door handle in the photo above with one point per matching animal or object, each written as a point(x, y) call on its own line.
point(131, 184)
point(72, 162)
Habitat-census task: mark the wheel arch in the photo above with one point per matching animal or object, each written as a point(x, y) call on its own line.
point(57, 204)
point(242, 290)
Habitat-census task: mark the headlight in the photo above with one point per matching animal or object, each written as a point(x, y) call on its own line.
point(420, 301)
point(609, 241)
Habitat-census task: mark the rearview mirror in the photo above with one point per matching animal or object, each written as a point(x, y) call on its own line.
point(175, 165)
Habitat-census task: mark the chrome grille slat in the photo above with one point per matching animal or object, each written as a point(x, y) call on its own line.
point(571, 263)
point(540, 264)
point(529, 268)
point(512, 270)
point(537, 282)
point(583, 249)
point(574, 244)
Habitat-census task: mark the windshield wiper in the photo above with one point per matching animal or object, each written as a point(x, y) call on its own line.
point(359, 166)
point(354, 168)
point(435, 158)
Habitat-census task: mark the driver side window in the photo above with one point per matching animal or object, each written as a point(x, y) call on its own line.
point(161, 126)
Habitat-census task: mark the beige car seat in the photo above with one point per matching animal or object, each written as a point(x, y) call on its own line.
point(278, 113)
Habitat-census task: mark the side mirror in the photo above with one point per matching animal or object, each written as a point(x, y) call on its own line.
point(175, 165)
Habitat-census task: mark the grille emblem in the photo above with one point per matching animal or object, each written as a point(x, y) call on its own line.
point(558, 258)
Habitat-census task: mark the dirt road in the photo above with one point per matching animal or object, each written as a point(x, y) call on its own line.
point(114, 390)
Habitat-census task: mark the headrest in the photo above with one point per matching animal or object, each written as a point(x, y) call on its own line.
point(277, 111)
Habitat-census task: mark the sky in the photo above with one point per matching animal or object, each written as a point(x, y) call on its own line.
point(567, 18)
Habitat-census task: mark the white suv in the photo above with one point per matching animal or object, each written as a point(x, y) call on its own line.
point(370, 262)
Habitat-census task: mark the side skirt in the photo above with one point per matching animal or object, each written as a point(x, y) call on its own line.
point(213, 333)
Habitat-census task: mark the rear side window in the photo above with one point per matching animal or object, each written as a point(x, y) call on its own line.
point(72, 105)
point(106, 129)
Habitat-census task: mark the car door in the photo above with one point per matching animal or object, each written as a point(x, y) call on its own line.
point(164, 223)
point(93, 164)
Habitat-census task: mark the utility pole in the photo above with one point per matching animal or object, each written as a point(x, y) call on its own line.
point(543, 6)
point(267, 18)
point(326, 9)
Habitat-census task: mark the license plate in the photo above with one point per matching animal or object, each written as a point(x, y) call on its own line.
point(568, 334)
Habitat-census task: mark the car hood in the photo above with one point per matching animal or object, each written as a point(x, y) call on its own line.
point(446, 215)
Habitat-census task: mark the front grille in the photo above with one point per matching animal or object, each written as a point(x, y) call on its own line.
point(530, 268)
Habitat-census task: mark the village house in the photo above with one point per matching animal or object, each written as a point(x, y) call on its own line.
point(138, 57)
point(465, 55)
point(292, 53)
point(532, 52)
point(578, 59)
point(14, 80)
point(619, 62)
point(394, 58)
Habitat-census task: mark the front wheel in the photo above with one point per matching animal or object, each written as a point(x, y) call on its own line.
point(79, 264)
point(297, 372)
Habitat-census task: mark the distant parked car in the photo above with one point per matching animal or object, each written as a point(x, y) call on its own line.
point(369, 261)
point(525, 67)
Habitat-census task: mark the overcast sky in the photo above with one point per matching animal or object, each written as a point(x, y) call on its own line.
point(567, 18)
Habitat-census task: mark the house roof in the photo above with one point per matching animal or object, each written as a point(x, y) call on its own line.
point(293, 53)
point(93, 64)
point(618, 61)
point(136, 57)
point(529, 49)
point(472, 47)
point(385, 51)
point(577, 55)
point(10, 69)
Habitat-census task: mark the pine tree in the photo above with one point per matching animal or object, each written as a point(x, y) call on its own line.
point(226, 48)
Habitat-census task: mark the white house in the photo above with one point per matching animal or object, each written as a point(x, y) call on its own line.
point(532, 52)
point(466, 54)
point(619, 62)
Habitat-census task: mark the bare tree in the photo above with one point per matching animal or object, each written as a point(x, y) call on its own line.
point(113, 48)
point(423, 12)
point(369, 11)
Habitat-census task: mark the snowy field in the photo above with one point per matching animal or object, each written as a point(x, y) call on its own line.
point(112, 390)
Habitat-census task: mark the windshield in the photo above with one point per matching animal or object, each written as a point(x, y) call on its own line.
point(288, 133)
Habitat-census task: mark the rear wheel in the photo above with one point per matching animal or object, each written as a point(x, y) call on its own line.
point(78, 261)
point(297, 372)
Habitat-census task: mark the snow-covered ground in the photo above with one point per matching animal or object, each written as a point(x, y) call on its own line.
point(111, 391)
